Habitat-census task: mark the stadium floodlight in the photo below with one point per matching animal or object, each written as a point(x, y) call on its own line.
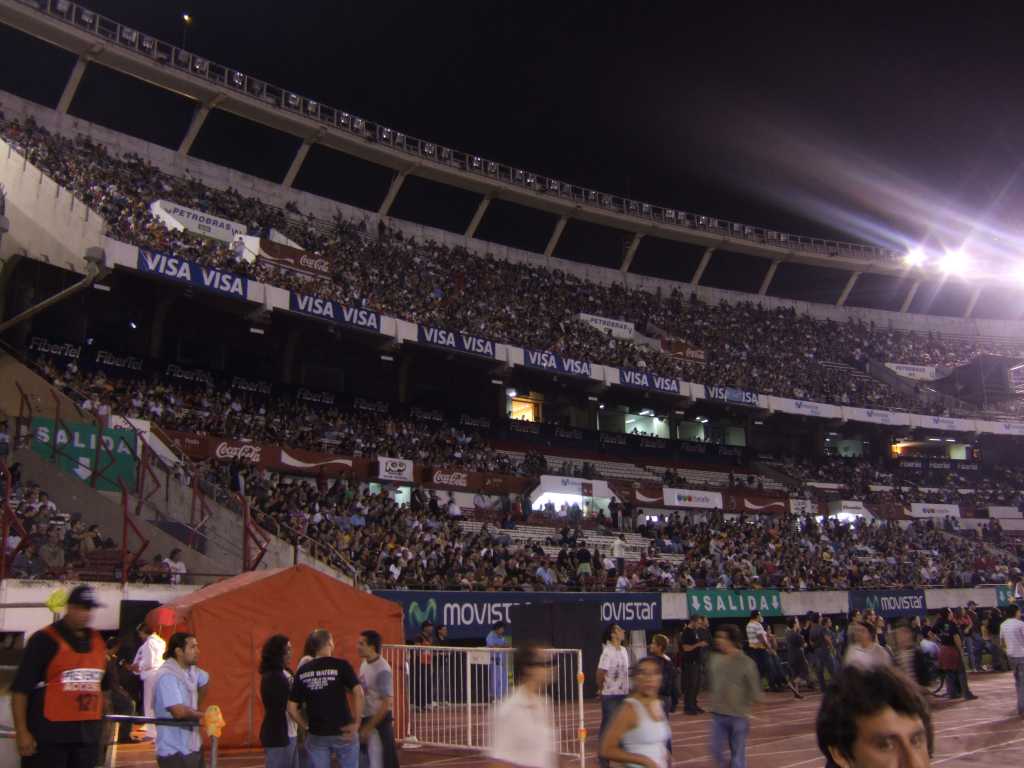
point(511, 392)
point(914, 257)
point(954, 263)
point(186, 18)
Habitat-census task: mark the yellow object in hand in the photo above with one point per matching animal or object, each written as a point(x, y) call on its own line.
point(57, 601)
point(213, 721)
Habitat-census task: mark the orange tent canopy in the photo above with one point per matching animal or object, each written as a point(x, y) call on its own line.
point(233, 618)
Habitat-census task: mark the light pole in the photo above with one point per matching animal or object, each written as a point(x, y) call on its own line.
point(186, 22)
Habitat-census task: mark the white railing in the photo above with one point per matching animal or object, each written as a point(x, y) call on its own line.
point(446, 697)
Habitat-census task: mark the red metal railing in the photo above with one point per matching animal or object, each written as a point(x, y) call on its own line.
point(9, 520)
point(252, 534)
point(127, 563)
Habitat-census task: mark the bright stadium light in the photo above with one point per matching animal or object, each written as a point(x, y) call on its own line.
point(914, 257)
point(954, 263)
point(1017, 273)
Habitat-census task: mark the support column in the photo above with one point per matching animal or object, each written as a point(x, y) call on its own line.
point(910, 296)
point(704, 261)
point(478, 216)
point(198, 118)
point(72, 85)
point(555, 236)
point(768, 277)
point(389, 198)
point(973, 302)
point(156, 334)
point(291, 344)
point(631, 251)
point(297, 161)
point(846, 291)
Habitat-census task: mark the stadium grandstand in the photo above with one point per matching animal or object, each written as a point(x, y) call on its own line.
point(211, 381)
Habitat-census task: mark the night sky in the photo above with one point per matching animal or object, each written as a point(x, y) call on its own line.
point(880, 125)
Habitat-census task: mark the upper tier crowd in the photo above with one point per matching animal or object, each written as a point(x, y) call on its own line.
point(771, 351)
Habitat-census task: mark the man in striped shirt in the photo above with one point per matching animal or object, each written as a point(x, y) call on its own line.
point(1011, 634)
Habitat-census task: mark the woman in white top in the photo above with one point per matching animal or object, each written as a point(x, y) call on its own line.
point(522, 726)
point(639, 734)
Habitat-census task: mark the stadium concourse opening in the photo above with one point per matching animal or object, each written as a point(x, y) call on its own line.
point(982, 733)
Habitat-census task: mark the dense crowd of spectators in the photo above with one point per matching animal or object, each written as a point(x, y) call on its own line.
point(772, 351)
point(860, 479)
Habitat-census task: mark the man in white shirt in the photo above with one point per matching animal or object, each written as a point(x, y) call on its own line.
point(175, 566)
point(148, 659)
point(863, 652)
point(521, 729)
point(1011, 635)
point(619, 553)
point(612, 678)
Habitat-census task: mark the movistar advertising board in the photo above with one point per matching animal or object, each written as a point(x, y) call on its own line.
point(889, 603)
point(469, 615)
point(76, 451)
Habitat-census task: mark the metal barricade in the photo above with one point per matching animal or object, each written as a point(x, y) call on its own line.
point(446, 696)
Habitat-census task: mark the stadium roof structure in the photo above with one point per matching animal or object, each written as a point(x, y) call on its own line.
point(95, 38)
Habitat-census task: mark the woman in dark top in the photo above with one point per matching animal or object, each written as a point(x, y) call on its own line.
point(951, 660)
point(278, 730)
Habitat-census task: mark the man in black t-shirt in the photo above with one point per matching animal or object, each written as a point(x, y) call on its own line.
point(57, 695)
point(323, 686)
point(690, 646)
point(820, 642)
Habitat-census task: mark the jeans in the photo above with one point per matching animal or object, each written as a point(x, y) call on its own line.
point(823, 660)
point(974, 647)
point(1017, 665)
point(50, 755)
point(321, 748)
point(609, 706)
point(280, 757)
point(691, 685)
point(760, 657)
point(731, 729)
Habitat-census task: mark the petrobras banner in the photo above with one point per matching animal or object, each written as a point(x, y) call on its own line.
point(889, 603)
point(180, 217)
point(216, 280)
point(804, 408)
point(733, 395)
point(470, 615)
point(457, 342)
point(934, 510)
point(400, 470)
point(550, 361)
point(733, 603)
point(918, 372)
point(873, 416)
point(327, 309)
point(620, 329)
point(681, 497)
point(942, 422)
point(630, 377)
point(850, 507)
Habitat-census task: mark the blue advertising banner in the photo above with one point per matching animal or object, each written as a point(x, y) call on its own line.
point(469, 615)
point(459, 342)
point(733, 395)
point(211, 279)
point(326, 309)
point(549, 361)
point(629, 377)
point(889, 603)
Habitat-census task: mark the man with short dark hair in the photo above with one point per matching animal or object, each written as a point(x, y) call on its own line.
point(499, 661)
point(690, 646)
point(176, 696)
point(57, 695)
point(874, 718)
point(735, 687)
point(820, 641)
point(376, 733)
point(323, 686)
point(1011, 635)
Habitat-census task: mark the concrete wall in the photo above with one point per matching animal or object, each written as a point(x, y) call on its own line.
point(220, 177)
point(106, 618)
point(47, 222)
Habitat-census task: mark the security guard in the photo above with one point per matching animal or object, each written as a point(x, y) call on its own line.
point(57, 696)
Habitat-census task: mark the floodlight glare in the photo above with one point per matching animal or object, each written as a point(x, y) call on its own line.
point(954, 263)
point(914, 257)
point(1018, 273)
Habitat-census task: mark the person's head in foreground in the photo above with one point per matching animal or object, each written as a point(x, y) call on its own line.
point(875, 718)
point(532, 668)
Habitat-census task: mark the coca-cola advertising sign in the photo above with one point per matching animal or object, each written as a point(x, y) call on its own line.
point(293, 259)
point(248, 452)
point(394, 469)
point(451, 478)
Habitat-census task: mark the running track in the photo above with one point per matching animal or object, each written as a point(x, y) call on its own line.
point(983, 732)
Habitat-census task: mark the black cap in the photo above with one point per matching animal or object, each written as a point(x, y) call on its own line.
point(84, 596)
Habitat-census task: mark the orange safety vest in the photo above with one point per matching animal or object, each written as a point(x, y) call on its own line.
point(73, 680)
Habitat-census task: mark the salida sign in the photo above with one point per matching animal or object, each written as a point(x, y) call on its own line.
point(76, 445)
point(729, 603)
point(470, 616)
